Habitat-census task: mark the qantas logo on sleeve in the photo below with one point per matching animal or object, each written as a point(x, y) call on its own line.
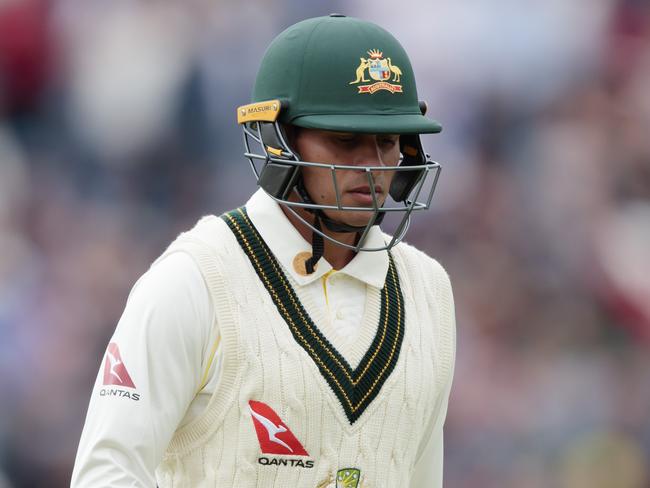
point(115, 372)
point(272, 433)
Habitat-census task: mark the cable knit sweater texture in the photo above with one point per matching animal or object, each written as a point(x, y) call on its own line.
point(262, 361)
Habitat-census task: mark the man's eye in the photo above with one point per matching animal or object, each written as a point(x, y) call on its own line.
point(388, 142)
point(345, 138)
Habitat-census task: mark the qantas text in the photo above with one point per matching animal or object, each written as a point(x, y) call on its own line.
point(119, 393)
point(299, 463)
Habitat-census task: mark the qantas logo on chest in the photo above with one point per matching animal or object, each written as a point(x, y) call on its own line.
point(272, 433)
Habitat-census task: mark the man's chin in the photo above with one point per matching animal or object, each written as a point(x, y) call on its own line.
point(351, 218)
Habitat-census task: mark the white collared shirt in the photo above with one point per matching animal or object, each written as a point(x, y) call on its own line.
point(341, 294)
point(170, 305)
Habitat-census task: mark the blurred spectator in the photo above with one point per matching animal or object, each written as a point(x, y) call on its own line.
point(26, 53)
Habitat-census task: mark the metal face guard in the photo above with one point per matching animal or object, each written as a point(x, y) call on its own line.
point(277, 169)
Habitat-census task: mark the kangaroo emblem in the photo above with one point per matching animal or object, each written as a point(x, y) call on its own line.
point(361, 71)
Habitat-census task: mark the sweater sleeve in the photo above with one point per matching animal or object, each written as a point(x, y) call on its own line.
point(148, 377)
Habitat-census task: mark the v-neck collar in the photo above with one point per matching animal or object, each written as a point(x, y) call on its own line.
point(285, 242)
point(355, 388)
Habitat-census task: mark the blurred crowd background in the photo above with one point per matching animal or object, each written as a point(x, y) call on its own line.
point(117, 131)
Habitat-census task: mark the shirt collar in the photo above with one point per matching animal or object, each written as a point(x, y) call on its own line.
point(285, 242)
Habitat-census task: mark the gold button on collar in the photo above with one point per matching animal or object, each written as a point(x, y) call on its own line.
point(299, 263)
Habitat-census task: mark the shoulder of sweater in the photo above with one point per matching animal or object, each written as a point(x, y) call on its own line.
point(209, 228)
point(209, 237)
point(415, 258)
point(178, 264)
point(210, 233)
point(171, 274)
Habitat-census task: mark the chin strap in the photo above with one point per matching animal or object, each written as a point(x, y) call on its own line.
point(317, 241)
point(317, 247)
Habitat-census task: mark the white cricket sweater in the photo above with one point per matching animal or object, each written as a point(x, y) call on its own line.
point(399, 388)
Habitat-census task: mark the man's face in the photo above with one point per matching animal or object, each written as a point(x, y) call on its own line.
point(360, 150)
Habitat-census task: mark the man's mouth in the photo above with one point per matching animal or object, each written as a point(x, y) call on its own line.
point(363, 194)
point(366, 189)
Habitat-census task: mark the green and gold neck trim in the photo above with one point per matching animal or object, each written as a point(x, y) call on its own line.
point(355, 388)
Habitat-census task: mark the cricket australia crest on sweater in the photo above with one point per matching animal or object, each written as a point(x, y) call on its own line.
point(345, 478)
point(354, 388)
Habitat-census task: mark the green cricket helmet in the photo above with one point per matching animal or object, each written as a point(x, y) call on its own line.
point(341, 74)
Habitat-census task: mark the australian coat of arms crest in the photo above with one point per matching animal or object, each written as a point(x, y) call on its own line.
point(345, 478)
point(384, 75)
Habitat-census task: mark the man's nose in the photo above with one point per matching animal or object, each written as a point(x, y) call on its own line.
point(369, 153)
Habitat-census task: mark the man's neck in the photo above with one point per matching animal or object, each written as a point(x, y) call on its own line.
point(337, 256)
